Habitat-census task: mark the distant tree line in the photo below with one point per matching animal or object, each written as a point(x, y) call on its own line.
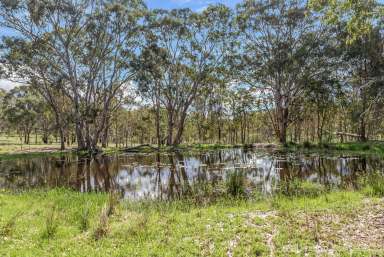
point(99, 72)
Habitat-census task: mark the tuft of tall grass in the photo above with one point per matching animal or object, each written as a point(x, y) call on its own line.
point(297, 188)
point(113, 201)
point(9, 226)
point(51, 223)
point(204, 194)
point(235, 184)
point(108, 209)
point(373, 184)
point(102, 227)
point(84, 216)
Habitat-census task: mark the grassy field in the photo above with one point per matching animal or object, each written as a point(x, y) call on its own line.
point(12, 144)
point(370, 147)
point(11, 147)
point(310, 223)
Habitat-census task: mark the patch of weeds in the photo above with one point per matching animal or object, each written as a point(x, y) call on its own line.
point(113, 201)
point(84, 216)
point(139, 225)
point(275, 202)
point(297, 187)
point(9, 226)
point(102, 227)
point(204, 194)
point(51, 223)
point(259, 249)
point(236, 184)
point(108, 209)
point(316, 229)
point(373, 184)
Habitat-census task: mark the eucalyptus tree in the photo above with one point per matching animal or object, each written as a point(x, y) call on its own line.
point(363, 77)
point(76, 48)
point(281, 47)
point(21, 109)
point(360, 16)
point(2, 121)
point(242, 103)
point(190, 49)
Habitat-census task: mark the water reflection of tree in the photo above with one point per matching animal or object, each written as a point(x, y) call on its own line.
point(158, 184)
point(184, 175)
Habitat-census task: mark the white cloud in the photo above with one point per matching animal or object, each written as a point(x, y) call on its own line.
point(8, 85)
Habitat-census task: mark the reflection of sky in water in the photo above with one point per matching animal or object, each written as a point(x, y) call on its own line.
point(138, 176)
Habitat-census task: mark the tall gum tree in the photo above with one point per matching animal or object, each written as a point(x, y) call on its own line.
point(279, 49)
point(77, 48)
point(190, 49)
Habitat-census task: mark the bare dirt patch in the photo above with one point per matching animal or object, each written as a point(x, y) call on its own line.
point(363, 229)
point(366, 230)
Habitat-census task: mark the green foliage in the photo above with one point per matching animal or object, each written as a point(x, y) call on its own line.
point(360, 16)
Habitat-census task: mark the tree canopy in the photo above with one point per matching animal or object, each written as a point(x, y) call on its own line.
point(98, 72)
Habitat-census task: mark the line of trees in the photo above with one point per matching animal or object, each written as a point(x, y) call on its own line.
point(99, 72)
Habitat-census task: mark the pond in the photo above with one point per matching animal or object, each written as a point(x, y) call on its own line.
point(171, 176)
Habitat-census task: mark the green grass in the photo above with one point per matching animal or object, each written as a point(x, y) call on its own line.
point(13, 144)
point(57, 222)
point(11, 148)
point(370, 147)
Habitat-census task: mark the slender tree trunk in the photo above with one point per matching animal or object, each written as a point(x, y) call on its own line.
point(60, 127)
point(62, 138)
point(79, 136)
point(362, 131)
point(170, 126)
point(283, 124)
point(158, 135)
point(180, 128)
point(104, 138)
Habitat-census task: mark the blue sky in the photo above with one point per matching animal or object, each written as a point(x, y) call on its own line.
point(193, 4)
point(196, 5)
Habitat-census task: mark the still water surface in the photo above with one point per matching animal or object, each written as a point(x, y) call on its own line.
point(168, 176)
